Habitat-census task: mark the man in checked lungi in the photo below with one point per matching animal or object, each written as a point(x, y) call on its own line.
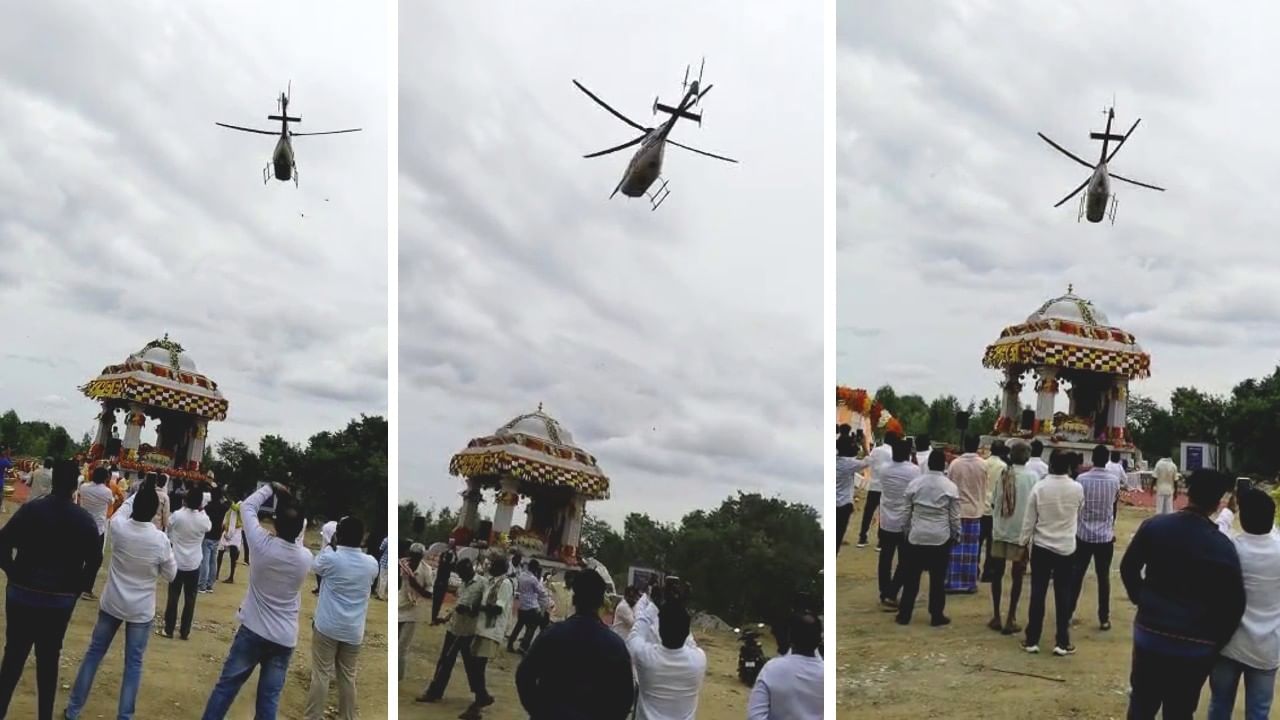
point(969, 473)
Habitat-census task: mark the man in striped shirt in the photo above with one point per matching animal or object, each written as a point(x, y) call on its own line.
point(1096, 531)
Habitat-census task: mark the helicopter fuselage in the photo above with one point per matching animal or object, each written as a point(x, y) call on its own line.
point(645, 166)
point(1097, 194)
point(282, 158)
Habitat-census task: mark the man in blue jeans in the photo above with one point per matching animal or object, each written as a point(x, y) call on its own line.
point(1254, 649)
point(216, 510)
point(269, 613)
point(1184, 576)
point(140, 557)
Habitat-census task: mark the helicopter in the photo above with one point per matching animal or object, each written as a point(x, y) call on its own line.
point(1094, 204)
point(645, 166)
point(283, 165)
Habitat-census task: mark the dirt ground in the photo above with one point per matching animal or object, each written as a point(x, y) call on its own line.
point(723, 696)
point(888, 671)
point(178, 676)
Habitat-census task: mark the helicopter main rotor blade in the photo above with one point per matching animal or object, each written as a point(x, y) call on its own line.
point(1073, 193)
point(704, 92)
point(1063, 150)
point(702, 152)
point(326, 132)
point(616, 148)
point(1126, 137)
point(245, 129)
point(1135, 182)
point(605, 105)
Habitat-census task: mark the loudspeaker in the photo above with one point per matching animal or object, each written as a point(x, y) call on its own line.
point(419, 525)
point(962, 421)
point(484, 530)
point(1028, 419)
point(113, 447)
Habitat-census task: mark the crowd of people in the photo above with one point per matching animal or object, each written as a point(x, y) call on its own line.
point(176, 534)
point(1207, 598)
point(646, 665)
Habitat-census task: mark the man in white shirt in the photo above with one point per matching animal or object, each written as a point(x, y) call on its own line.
point(996, 463)
point(624, 615)
point(95, 497)
point(932, 525)
point(894, 481)
point(790, 687)
point(140, 557)
point(491, 625)
point(1116, 467)
point(878, 459)
point(338, 628)
point(1254, 649)
point(1037, 464)
point(416, 579)
point(186, 533)
point(530, 595)
point(327, 531)
point(847, 467)
point(669, 674)
point(969, 473)
point(41, 481)
point(269, 612)
point(1166, 485)
point(1050, 525)
point(162, 491)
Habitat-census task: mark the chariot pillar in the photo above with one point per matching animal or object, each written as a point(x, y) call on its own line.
point(506, 498)
point(135, 419)
point(1011, 406)
point(1046, 396)
point(469, 518)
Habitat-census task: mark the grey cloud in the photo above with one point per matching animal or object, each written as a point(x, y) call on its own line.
point(945, 191)
point(129, 214)
point(682, 347)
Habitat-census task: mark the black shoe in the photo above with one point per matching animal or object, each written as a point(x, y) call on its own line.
point(483, 702)
point(940, 621)
point(1106, 625)
point(902, 620)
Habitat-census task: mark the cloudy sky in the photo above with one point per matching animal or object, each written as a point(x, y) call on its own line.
point(682, 347)
point(946, 227)
point(125, 213)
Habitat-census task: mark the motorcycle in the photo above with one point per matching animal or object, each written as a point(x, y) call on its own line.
point(751, 657)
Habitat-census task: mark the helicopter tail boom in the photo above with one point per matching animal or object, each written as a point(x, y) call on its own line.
point(1106, 136)
point(678, 112)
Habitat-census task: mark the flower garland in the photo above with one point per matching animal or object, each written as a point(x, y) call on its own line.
point(859, 401)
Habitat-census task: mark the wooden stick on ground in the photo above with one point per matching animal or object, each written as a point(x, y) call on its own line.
point(1018, 672)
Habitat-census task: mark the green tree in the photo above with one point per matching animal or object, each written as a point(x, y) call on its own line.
point(747, 559)
point(1152, 427)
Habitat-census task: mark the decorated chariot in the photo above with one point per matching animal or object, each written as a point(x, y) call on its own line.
point(1067, 341)
point(159, 383)
point(535, 458)
point(856, 408)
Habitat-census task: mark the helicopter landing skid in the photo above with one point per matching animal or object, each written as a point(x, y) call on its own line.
point(658, 196)
point(1109, 213)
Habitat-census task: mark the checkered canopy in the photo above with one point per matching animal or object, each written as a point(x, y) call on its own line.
point(1068, 332)
point(535, 450)
point(160, 375)
point(493, 461)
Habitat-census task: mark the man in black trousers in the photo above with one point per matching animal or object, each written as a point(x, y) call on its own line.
point(1184, 575)
point(45, 550)
point(444, 568)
